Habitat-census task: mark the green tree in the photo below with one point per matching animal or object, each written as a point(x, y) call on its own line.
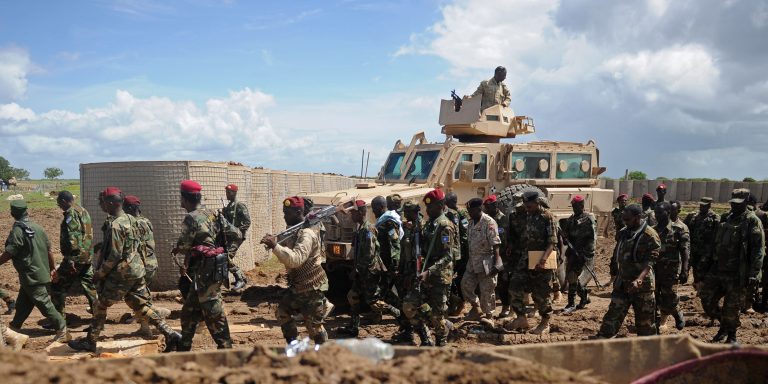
point(749, 180)
point(637, 175)
point(7, 171)
point(52, 173)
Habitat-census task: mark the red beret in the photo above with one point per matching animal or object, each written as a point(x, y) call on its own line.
point(436, 194)
point(293, 201)
point(191, 186)
point(490, 199)
point(577, 199)
point(661, 186)
point(622, 196)
point(231, 187)
point(359, 203)
point(647, 196)
point(111, 191)
point(132, 200)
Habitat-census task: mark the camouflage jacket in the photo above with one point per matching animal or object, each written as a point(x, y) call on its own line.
point(675, 242)
point(120, 258)
point(147, 246)
point(517, 224)
point(236, 212)
point(440, 246)
point(460, 218)
point(581, 231)
point(633, 251)
point(410, 249)
point(492, 93)
point(198, 228)
point(388, 235)
point(76, 239)
point(366, 250)
point(540, 231)
point(618, 220)
point(649, 216)
point(739, 246)
point(502, 224)
point(703, 230)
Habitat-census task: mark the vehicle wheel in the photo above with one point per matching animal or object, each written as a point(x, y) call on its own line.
point(505, 196)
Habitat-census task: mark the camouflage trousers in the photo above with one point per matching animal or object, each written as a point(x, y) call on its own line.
point(234, 245)
point(487, 284)
point(135, 294)
point(311, 305)
point(204, 303)
point(667, 272)
point(698, 274)
point(368, 290)
point(36, 296)
point(539, 283)
point(719, 285)
point(81, 274)
point(428, 305)
point(643, 304)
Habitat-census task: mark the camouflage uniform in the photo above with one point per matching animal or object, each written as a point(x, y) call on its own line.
point(483, 237)
point(703, 229)
point(236, 213)
point(203, 301)
point(429, 301)
point(369, 277)
point(540, 233)
point(307, 284)
point(675, 247)
point(581, 231)
point(515, 251)
point(738, 258)
point(618, 220)
point(147, 247)
point(763, 216)
point(633, 251)
point(460, 219)
point(650, 217)
point(493, 93)
point(388, 232)
point(76, 243)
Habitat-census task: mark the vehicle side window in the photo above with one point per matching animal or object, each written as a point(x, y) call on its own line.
point(531, 165)
point(481, 168)
point(573, 165)
point(392, 167)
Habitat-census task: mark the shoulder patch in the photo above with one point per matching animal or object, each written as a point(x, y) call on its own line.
point(501, 230)
point(446, 239)
point(68, 219)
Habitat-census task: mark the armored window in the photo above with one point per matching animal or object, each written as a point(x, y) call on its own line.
point(530, 165)
point(422, 165)
point(481, 168)
point(392, 166)
point(573, 166)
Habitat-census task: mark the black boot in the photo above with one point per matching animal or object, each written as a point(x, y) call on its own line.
point(353, 329)
point(731, 337)
point(404, 334)
point(583, 298)
point(240, 281)
point(321, 336)
point(571, 306)
point(679, 320)
point(172, 338)
point(87, 343)
point(424, 335)
point(720, 336)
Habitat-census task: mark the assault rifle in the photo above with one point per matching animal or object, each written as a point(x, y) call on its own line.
point(313, 218)
point(456, 101)
point(586, 264)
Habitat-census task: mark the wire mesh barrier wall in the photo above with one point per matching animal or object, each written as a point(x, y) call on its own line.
point(156, 183)
point(720, 191)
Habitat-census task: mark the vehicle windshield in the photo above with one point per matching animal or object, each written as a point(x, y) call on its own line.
point(422, 165)
point(392, 166)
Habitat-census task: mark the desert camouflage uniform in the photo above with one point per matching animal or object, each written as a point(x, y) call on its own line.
point(483, 237)
point(203, 300)
point(633, 251)
point(307, 284)
point(76, 244)
point(738, 257)
point(581, 231)
point(540, 233)
point(493, 93)
point(703, 230)
point(236, 213)
point(440, 247)
point(675, 246)
point(459, 218)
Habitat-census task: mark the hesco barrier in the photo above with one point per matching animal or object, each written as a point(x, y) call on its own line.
point(156, 183)
point(720, 191)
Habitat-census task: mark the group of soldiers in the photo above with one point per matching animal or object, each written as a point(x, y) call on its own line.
point(124, 264)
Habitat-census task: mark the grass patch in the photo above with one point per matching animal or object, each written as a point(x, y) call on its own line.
point(37, 193)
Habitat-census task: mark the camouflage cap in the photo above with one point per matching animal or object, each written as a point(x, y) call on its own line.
point(739, 195)
point(705, 201)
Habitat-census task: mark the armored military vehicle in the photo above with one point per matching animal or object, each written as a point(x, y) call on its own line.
point(473, 161)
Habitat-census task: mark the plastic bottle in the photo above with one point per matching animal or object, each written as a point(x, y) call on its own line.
point(370, 347)
point(298, 346)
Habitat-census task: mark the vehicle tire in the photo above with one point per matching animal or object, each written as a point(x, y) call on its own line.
point(505, 196)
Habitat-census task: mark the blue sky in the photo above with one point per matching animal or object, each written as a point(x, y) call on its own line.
point(673, 88)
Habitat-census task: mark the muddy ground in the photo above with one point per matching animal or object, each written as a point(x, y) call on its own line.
point(256, 307)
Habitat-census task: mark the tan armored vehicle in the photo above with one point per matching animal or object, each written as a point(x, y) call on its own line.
point(473, 162)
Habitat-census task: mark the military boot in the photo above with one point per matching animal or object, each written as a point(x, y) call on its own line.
point(240, 281)
point(441, 340)
point(353, 329)
point(16, 341)
point(679, 320)
point(62, 336)
point(520, 323)
point(731, 337)
point(543, 327)
point(87, 343)
point(327, 308)
point(321, 336)
point(720, 336)
point(424, 335)
point(11, 307)
point(504, 312)
point(394, 311)
point(172, 338)
point(583, 298)
point(571, 306)
point(405, 333)
point(474, 313)
point(662, 323)
point(556, 296)
point(144, 330)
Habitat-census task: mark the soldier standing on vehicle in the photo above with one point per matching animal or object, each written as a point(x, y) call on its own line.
point(410, 251)
point(440, 246)
point(517, 221)
point(648, 214)
point(484, 262)
point(459, 218)
point(76, 244)
point(494, 91)
point(703, 228)
point(736, 265)
point(307, 281)
point(29, 250)
point(580, 231)
point(120, 274)
point(236, 213)
point(616, 214)
point(539, 240)
point(632, 273)
point(671, 267)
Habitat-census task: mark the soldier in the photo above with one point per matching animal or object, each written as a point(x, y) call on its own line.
point(29, 250)
point(75, 242)
point(120, 274)
point(671, 267)
point(494, 91)
point(395, 203)
point(389, 231)
point(517, 222)
point(491, 207)
point(484, 261)
point(440, 246)
point(661, 191)
point(459, 218)
point(632, 273)
point(580, 232)
point(236, 214)
point(205, 265)
point(753, 301)
point(410, 251)
point(368, 279)
point(703, 228)
point(10, 303)
point(539, 238)
point(616, 214)
point(648, 213)
point(307, 281)
point(763, 304)
point(735, 266)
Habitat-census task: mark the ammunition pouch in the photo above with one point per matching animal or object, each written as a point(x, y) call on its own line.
point(213, 266)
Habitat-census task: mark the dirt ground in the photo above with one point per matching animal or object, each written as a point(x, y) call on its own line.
point(251, 315)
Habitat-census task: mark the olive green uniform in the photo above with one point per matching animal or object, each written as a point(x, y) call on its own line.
point(76, 243)
point(703, 230)
point(675, 247)
point(540, 232)
point(236, 213)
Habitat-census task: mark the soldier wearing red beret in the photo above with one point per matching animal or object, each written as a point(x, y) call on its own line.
point(236, 213)
point(648, 209)
point(580, 230)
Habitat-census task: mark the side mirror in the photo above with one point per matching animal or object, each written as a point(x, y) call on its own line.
point(466, 171)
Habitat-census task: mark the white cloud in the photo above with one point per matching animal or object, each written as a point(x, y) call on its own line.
point(14, 67)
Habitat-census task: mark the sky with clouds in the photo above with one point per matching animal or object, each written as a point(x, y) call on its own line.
point(673, 88)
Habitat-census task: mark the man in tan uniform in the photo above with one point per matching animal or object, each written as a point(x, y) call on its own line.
point(494, 91)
